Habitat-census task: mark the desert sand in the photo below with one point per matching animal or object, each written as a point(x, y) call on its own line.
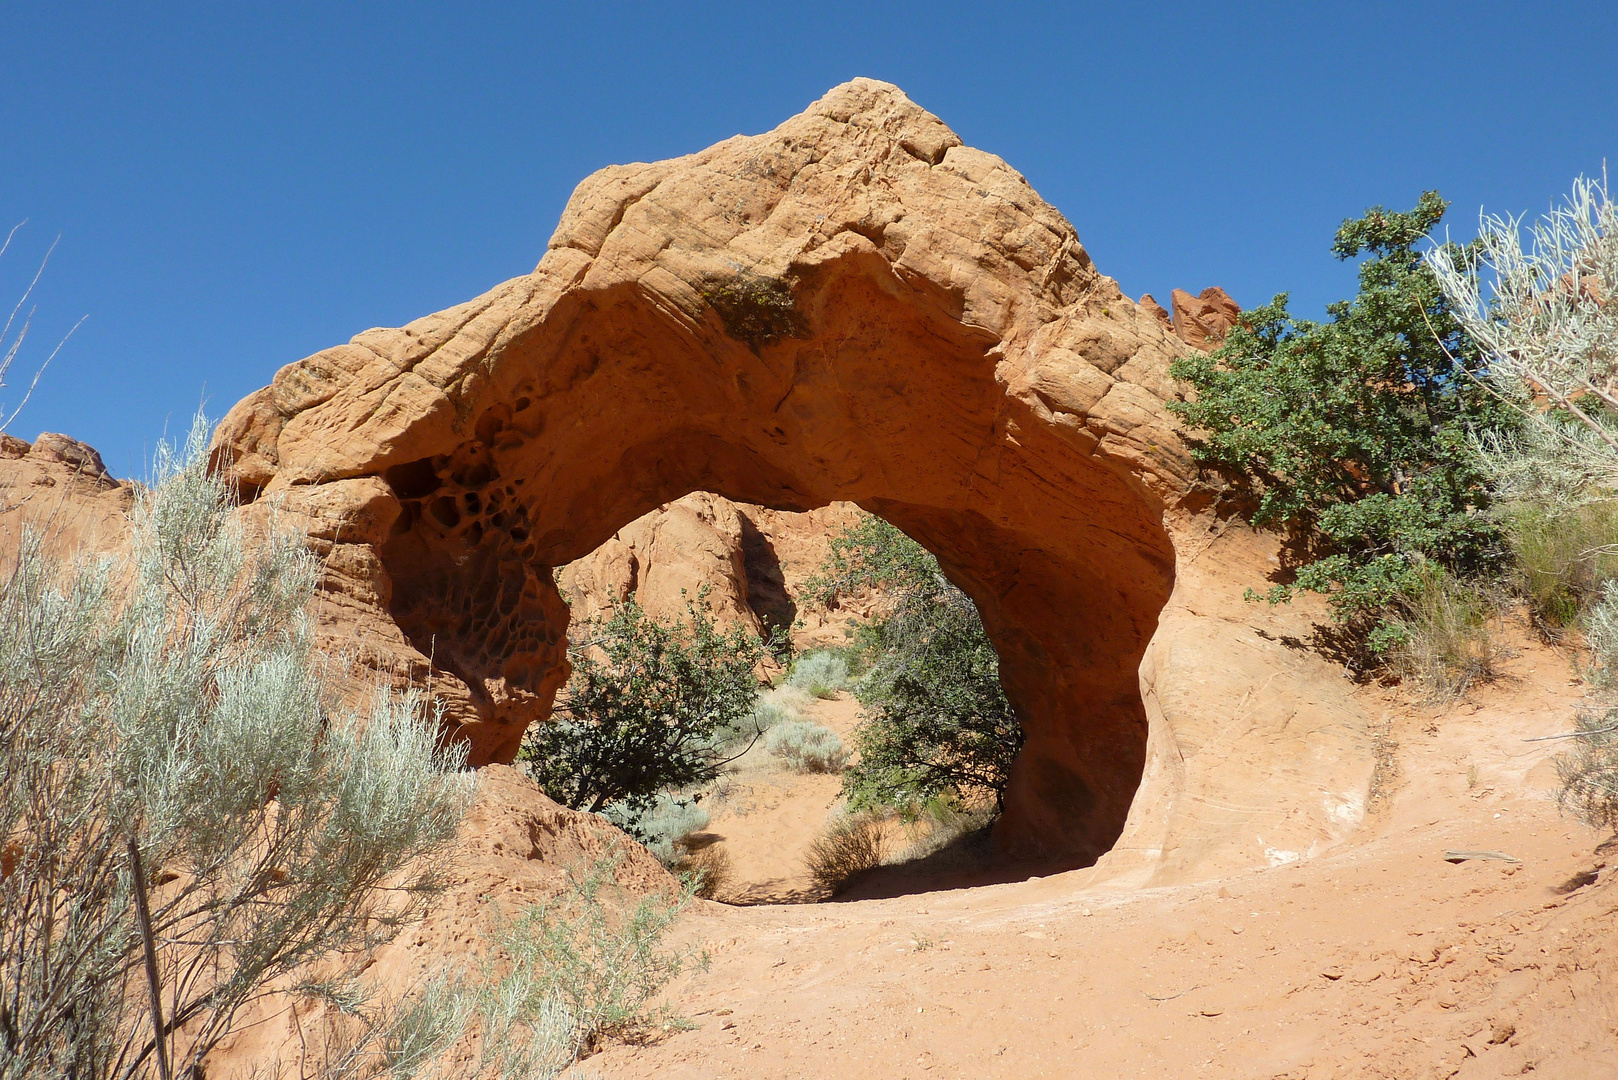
point(1376, 958)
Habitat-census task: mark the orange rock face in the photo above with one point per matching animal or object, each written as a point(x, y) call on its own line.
point(689, 549)
point(1201, 321)
point(1149, 304)
point(58, 487)
point(750, 562)
point(853, 307)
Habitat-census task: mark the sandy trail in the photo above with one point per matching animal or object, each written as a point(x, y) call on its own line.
point(767, 817)
point(1377, 958)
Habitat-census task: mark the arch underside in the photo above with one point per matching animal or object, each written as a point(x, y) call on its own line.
point(947, 359)
point(1069, 575)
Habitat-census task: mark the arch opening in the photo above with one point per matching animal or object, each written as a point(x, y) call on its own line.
point(853, 307)
point(1068, 577)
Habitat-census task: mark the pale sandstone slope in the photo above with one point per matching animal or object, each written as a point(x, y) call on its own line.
point(1374, 959)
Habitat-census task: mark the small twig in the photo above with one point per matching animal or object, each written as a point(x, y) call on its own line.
point(757, 735)
point(1171, 997)
point(40, 371)
point(1574, 734)
point(1600, 552)
point(144, 913)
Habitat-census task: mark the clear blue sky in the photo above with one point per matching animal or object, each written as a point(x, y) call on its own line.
point(237, 186)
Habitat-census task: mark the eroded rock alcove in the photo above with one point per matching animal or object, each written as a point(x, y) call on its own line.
point(854, 306)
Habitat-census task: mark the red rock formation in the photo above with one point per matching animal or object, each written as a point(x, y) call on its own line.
point(58, 487)
point(752, 562)
point(1201, 321)
point(784, 550)
point(853, 306)
point(1150, 305)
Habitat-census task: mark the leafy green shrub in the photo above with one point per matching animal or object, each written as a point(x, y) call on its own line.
point(937, 720)
point(658, 708)
point(189, 813)
point(807, 747)
point(1355, 435)
point(850, 845)
point(872, 554)
point(822, 674)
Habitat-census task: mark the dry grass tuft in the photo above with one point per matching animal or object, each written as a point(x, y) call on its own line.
point(851, 845)
point(1448, 646)
point(1589, 771)
point(1564, 557)
point(942, 824)
point(709, 870)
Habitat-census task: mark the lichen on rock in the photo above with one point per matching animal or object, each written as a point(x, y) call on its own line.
point(755, 309)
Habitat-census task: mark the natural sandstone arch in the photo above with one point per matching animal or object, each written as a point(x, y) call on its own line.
point(853, 306)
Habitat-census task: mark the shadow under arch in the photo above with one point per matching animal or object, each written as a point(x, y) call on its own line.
point(1068, 587)
point(851, 307)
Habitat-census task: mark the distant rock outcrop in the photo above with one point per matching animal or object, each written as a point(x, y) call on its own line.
point(1149, 304)
point(749, 562)
point(59, 487)
point(1202, 321)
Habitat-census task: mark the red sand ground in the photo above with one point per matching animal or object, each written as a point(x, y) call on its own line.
point(766, 817)
point(1375, 959)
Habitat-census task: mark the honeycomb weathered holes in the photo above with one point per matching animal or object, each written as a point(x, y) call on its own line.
point(492, 422)
point(413, 479)
point(445, 512)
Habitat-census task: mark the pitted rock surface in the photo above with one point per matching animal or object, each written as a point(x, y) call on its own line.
point(854, 306)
